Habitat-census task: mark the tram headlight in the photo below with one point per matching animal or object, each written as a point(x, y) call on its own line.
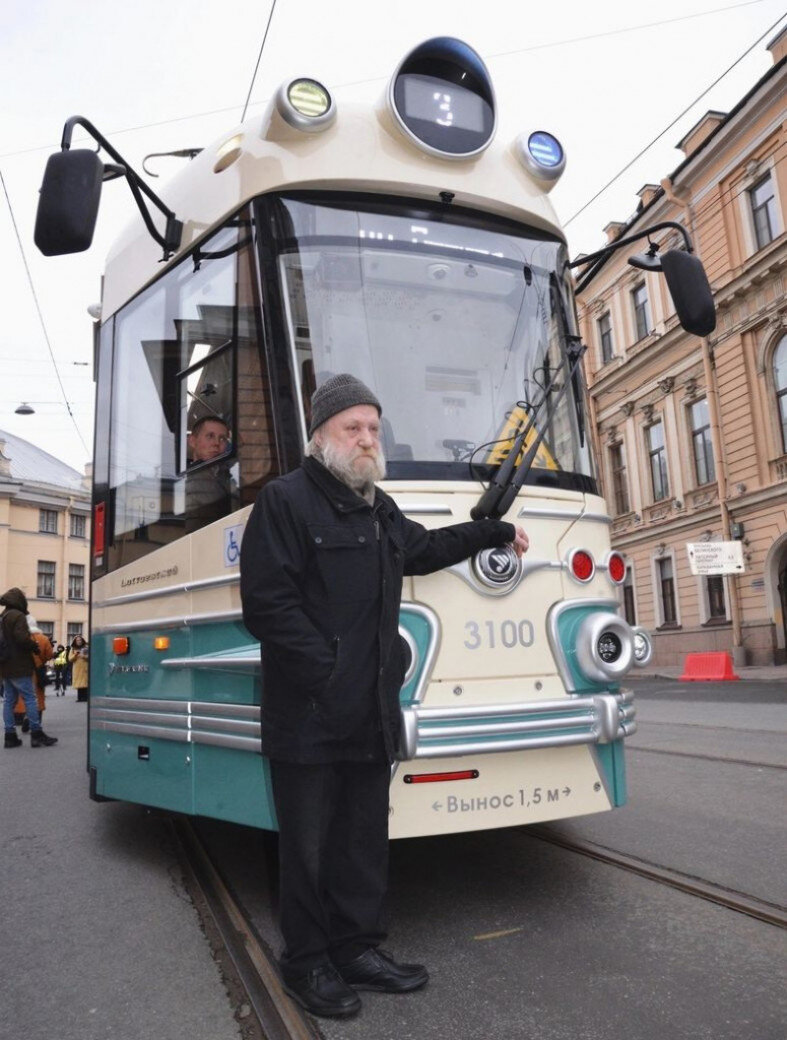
point(643, 647)
point(306, 104)
point(542, 155)
point(604, 647)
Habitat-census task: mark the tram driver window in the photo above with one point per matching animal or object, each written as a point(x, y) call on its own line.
point(189, 432)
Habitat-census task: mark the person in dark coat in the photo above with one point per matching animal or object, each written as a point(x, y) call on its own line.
point(17, 671)
point(322, 561)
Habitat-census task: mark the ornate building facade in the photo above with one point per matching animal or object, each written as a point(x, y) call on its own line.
point(45, 536)
point(691, 433)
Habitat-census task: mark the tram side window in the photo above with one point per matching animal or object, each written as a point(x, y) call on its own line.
point(190, 430)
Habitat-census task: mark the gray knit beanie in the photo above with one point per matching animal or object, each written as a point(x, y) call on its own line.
point(336, 394)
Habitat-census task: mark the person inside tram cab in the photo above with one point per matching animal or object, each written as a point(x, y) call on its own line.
point(322, 561)
point(209, 488)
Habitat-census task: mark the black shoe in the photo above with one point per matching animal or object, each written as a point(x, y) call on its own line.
point(322, 992)
point(39, 739)
point(378, 971)
point(12, 740)
point(25, 724)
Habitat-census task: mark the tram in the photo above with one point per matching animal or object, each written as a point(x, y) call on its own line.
point(411, 244)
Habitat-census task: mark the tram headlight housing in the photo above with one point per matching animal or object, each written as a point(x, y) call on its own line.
point(306, 104)
point(643, 647)
point(604, 647)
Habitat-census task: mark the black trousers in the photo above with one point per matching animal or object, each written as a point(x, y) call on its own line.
point(333, 860)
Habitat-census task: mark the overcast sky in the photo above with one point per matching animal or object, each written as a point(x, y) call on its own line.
point(605, 77)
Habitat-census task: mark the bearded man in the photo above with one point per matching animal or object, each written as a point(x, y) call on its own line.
point(322, 561)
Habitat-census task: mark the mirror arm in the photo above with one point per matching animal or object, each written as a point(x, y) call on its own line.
point(170, 240)
point(621, 242)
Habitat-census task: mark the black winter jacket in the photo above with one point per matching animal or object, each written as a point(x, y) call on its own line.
point(14, 622)
point(321, 585)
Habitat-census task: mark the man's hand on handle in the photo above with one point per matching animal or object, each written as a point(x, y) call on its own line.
point(521, 542)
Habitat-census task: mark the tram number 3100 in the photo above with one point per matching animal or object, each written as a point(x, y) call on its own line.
point(493, 634)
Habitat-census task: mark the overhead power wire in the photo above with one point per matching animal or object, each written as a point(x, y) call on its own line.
point(677, 118)
point(259, 59)
point(40, 313)
point(377, 79)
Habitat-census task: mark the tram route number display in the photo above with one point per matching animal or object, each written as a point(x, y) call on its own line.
point(493, 635)
point(523, 798)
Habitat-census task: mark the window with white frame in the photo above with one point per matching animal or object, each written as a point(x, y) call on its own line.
point(780, 385)
point(716, 600)
point(639, 300)
point(78, 525)
point(76, 581)
point(704, 467)
point(657, 455)
point(763, 211)
point(48, 628)
point(47, 521)
point(45, 585)
point(74, 629)
point(604, 325)
point(666, 591)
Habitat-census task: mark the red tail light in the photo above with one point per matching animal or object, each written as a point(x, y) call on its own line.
point(616, 568)
point(436, 778)
point(581, 565)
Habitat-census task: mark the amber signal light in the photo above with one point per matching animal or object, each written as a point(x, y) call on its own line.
point(120, 645)
point(161, 643)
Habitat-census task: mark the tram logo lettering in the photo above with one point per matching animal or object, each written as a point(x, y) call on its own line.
point(127, 668)
point(140, 579)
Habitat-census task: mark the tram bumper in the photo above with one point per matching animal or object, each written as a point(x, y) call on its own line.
point(487, 729)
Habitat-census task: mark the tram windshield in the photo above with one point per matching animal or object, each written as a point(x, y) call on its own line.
point(458, 323)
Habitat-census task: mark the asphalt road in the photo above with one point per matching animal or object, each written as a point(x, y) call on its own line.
point(527, 941)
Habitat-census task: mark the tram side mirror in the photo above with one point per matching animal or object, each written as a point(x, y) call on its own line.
point(68, 202)
point(690, 291)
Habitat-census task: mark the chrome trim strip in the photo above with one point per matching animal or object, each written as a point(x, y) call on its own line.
point(174, 707)
point(228, 741)
point(137, 730)
point(537, 513)
point(425, 509)
point(599, 719)
point(174, 621)
point(246, 663)
point(543, 513)
point(464, 570)
point(170, 590)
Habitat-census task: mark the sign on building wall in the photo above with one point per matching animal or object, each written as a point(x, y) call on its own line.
point(715, 557)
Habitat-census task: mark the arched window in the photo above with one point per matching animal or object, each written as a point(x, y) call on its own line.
point(780, 383)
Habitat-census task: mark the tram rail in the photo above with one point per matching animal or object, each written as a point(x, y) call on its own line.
point(761, 910)
point(277, 1018)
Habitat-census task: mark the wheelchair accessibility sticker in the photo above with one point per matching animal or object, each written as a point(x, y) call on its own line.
point(232, 540)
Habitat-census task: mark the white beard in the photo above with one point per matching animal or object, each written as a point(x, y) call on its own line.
point(343, 468)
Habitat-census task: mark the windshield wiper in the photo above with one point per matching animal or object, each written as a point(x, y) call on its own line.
point(496, 500)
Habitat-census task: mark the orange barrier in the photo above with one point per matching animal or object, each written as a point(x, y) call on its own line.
point(708, 668)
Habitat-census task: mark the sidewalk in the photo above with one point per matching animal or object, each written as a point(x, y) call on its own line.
point(776, 673)
point(100, 940)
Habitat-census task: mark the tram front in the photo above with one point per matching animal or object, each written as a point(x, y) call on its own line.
point(402, 243)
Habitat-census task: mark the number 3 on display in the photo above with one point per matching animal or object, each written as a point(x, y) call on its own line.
point(492, 634)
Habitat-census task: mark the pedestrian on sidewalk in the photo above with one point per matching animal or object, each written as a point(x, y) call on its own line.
point(78, 659)
point(40, 679)
point(322, 562)
point(17, 670)
point(61, 667)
